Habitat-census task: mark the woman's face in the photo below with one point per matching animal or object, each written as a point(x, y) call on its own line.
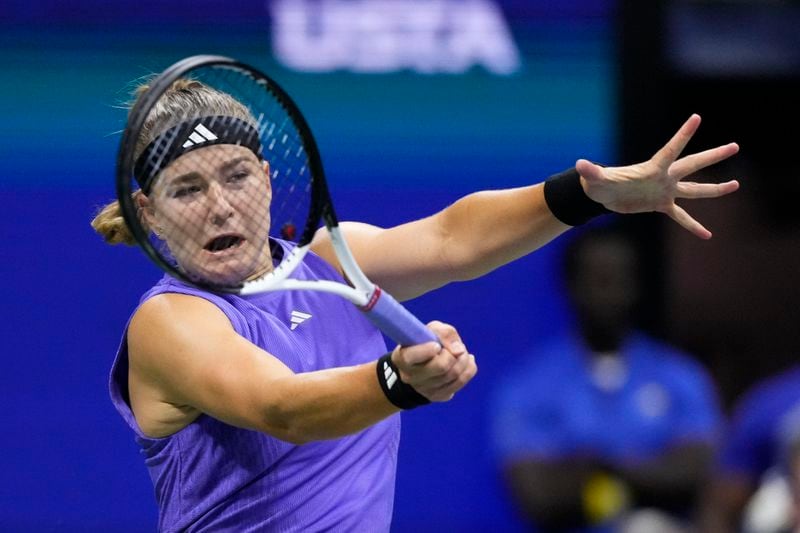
point(211, 206)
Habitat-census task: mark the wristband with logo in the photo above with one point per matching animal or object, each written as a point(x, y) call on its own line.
point(401, 394)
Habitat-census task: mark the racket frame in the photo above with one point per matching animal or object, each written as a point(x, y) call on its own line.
point(383, 310)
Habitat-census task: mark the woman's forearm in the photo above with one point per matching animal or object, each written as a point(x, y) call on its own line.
point(485, 230)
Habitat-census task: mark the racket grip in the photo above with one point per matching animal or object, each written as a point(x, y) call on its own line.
point(396, 321)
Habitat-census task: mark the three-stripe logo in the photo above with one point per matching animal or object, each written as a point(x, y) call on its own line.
point(389, 375)
point(200, 135)
point(297, 318)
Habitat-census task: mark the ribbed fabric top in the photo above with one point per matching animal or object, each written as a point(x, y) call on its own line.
point(216, 477)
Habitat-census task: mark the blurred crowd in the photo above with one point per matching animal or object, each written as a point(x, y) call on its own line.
point(604, 428)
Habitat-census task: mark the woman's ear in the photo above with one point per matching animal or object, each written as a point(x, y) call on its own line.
point(146, 212)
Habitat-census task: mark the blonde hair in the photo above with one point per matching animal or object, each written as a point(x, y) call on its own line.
point(110, 224)
point(184, 98)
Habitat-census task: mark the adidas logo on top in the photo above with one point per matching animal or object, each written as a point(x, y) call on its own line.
point(200, 135)
point(298, 318)
point(389, 375)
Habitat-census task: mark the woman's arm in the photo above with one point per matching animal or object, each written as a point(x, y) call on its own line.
point(471, 237)
point(485, 230)
point(185, 358)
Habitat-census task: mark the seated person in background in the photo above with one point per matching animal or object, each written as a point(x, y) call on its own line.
point(756, 477)
point(603, 428)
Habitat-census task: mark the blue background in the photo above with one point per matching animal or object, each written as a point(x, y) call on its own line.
point(396, 147)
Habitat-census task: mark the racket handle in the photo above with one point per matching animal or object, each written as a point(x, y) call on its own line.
point(396, 321)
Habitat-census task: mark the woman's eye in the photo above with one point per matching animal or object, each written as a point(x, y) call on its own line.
point(237, 176)
point(186, 191)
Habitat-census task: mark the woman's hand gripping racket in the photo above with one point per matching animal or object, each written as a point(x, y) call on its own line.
point(221, 176)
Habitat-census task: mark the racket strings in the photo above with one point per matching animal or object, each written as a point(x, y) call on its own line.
point(283, 149)
point(212, 208)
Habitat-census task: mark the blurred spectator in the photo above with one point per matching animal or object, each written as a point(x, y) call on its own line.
point(604, 428)
point(756, 481)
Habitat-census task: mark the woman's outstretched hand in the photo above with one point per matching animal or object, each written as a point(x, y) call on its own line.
point(656, 184)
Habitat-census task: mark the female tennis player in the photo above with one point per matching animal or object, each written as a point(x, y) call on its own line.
point(276, 411)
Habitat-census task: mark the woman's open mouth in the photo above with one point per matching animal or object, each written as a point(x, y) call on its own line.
point(224, 242)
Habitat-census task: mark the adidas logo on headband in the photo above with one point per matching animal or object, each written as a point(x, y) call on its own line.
point(188, 135)
point(200, 135)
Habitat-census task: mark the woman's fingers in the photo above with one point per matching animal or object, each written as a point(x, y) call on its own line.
point(436, 370)
point(679, 215)
point(670, 152)
point(690, 164)
point(691, 190)
point(461, 374)
point(448, 336)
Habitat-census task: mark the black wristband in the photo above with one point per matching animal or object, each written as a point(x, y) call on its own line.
point(567, 200)
point(401, 394)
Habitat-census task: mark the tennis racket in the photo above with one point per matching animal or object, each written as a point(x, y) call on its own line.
point(224, 177)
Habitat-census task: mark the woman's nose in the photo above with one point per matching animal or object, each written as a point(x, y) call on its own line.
point(220, 209)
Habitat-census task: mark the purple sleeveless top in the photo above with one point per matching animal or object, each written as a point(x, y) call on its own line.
point(217, 477)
